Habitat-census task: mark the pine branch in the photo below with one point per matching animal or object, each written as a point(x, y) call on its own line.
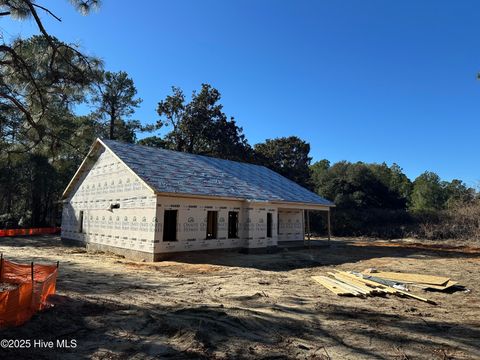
point(46, 10)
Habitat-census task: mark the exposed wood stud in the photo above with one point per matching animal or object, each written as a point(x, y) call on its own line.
point(328, 225)
point(308, 228)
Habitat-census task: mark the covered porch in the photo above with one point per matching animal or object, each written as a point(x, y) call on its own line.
point(293, 225)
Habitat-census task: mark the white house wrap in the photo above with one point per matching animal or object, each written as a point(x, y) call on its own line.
point(145, 202)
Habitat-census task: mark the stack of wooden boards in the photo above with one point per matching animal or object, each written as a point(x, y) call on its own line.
point(369, 283)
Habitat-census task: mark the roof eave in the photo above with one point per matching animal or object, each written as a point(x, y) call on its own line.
point(277, 202)
point(302, 205)
point(80, 169)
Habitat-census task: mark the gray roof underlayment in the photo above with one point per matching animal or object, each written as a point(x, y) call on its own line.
point(168, 171)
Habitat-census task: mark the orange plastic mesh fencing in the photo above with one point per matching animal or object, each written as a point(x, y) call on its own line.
point(32, 231)
point(19, 304)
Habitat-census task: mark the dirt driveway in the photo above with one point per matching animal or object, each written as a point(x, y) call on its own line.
point(231, 305)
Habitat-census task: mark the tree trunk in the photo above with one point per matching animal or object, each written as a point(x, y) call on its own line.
point(112, 124)
point(9, 189)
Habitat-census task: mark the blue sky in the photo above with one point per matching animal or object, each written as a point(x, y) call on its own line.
point(365, 80)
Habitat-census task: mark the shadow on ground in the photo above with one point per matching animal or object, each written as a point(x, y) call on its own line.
point(327, 254)
point(320, 253)
point(104, 330)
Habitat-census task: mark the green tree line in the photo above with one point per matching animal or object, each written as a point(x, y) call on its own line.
point(380, 200)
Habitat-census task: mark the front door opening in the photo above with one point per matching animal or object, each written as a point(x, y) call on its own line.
point(212, 221)
point(269, 225)
point(80, 222)
point(170, 225)
point(233, 225)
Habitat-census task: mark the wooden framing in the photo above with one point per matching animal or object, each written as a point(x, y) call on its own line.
point(306, 221)
point(308, 228)
point(328, 225)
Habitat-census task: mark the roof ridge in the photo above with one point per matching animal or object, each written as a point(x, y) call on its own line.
point(224, 173)
point(182, 152)
point(176, 172)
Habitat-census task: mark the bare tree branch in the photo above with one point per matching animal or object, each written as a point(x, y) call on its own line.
point(48, 11)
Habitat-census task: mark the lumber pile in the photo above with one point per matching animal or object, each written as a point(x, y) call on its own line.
point(372, 282)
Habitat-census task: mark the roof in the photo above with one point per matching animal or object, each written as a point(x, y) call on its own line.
point(167, 171)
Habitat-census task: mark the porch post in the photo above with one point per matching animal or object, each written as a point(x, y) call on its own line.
point(328, 225)
point(308, 227)
point(304, 227)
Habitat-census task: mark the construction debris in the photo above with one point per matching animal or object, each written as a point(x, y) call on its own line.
point(372, 282)
point(334, 286)
point(410, 278)
point(391, 283)
point(448, 285)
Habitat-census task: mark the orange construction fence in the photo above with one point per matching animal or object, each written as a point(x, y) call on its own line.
point(34, 283)
point(32, 231)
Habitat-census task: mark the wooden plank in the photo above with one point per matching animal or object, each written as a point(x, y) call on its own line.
point(449, 284)
point(358, 278)
point(342, 277)
point(355, 290)
point(323, 280)
point(401, 292)
point(392, 283)
point(353, 282)
point(413, 278)
point(404, 293)
point(352, 287)
point(367, 282)
point(344, 286)
point(333, 287)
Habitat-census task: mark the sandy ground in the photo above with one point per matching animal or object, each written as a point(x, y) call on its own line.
point(227, 305)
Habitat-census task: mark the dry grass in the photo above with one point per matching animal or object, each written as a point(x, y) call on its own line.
point(461, 221)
